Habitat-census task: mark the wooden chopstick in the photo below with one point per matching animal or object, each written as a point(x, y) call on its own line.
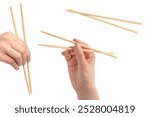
point(118, 26)
point(13, 19)
point(105, 17)
point(54, 46)
point(61, 47)
point(95, 50)
point(15, 28)
point(24, 35)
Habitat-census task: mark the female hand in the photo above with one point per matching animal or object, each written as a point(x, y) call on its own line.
point(81, 71)
point(13, 50)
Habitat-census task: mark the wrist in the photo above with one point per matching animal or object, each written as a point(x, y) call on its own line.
point(88, 93)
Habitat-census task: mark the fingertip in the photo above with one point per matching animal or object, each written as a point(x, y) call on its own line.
point(63, 53)
point(16, 68)
point(28, 59)
point(77, 46)
point(76, 40)
point(20, 62)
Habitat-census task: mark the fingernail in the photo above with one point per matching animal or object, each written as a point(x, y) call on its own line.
point(28, 59)
point(63, 53)
point(75, 40)
point(76, 45)
point(17, 68)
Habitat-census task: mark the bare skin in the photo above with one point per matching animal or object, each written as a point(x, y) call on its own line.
point(81, 71)
point(13, 50)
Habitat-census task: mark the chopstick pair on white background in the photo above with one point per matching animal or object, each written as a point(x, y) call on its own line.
point(27, 77)
point(102, 19)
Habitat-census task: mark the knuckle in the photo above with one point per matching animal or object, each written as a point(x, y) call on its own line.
point(23, 50)
point(4, 45)
point(3, 42)
point(8, 35)
point(19, 56)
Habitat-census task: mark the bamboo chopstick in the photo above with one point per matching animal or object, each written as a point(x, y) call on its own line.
point(24, 35)
point(105, 17)
point(15, 28)
point(95, 50)
point(54, 46)
point(13, 20)
point(118, 26)
point(61, 47)
point(98, 19)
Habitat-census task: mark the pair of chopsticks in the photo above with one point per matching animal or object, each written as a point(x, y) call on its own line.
point(27, 79)
point(63, 47)
point(100, 18)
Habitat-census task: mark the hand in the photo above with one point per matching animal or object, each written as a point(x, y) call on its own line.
point(13, 50)
point(81, 71)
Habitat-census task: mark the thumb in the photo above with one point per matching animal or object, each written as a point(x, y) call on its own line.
point(79, 54)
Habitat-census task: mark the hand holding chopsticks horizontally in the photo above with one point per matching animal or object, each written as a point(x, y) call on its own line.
point(73, 42)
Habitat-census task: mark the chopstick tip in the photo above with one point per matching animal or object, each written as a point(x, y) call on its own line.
point(42, 31)
point(39, 44)
point(136, 32)
point(69, 10)
point(115, 57)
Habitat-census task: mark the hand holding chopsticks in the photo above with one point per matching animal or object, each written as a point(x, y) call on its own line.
point(27, 79)
point(64, 39)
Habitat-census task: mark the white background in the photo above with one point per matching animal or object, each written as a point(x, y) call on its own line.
point(119, 81)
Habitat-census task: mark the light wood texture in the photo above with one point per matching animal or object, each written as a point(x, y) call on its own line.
point(15, 28)
point(61, 47)
point(54, 46)
point(95, 50)
point(112, 24)
point(24, 35)
point(98, 19)
point(105, 17)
